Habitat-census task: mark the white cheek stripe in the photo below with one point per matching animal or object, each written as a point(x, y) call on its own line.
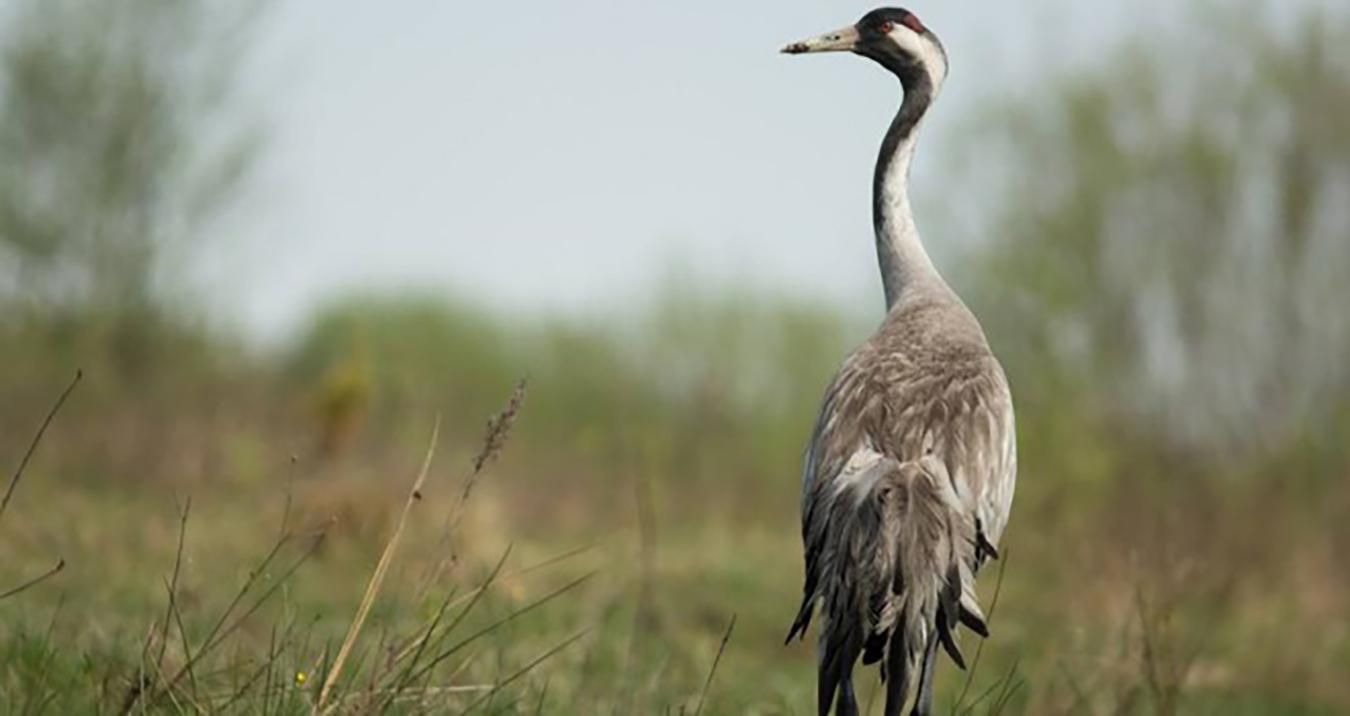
point(923, 48)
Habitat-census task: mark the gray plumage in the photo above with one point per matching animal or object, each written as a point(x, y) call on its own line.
point(910, 471)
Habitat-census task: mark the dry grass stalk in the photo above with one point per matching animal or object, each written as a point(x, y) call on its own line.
point(420, 643)
point(18, 475)
point(171, 608)
point(645, 609)
point(441, 657)
point(37, 438)
point(60, 565)
point(266, 670)
point(415, 672)
point(145, 691)
point(979, 649)
point(485, 698)
point(377, 579)
point(726, 637)
point(543, 696)
point(476, 591)
point(498, 429)
point(1002, 692)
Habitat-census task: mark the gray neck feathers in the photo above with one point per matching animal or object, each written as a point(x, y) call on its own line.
point(905, 265)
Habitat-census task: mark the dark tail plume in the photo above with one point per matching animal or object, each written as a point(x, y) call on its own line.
point(897, 674)
point(803, 619)
point(836, 677)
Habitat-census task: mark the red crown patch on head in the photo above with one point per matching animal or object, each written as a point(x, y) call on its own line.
point(913, 22)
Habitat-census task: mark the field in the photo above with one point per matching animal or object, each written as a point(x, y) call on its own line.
point(221, 514)
point(415, 502)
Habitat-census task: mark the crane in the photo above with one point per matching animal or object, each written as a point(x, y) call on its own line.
point(911, 467)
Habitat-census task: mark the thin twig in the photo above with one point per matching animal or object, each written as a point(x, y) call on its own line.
point(988, 691)
point(290, 497)
point(1011, 686)
point(1149, 656)
point(37, 438)
point(526, 669)
point(169, 692)
point(1006, 686)
point(221, 630)
point(716, 660)
point(56, 613)
point(60, 565)
point(413, 673)
point(217, 639)
point(183, 638)
point(416, 647)
point(500, 622)
point(381, 569)
point(477, 594)
point(183, 511)
point(419, 644)
point(396, 694)
point(979, 649)
point(473, 593)
point(543, 696)
point(453, 600)
point(274, 650)
point(642, 611)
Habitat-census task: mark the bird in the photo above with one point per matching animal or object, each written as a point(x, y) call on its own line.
point(911, 467)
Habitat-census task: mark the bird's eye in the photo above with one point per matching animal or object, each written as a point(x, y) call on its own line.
point(886, 27)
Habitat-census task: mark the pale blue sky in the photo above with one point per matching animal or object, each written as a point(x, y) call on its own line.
point(557, 156)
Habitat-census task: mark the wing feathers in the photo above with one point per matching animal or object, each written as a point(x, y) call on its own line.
point(905, 490)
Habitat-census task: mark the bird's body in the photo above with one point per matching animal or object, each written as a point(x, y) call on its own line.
point(910, 471)
point(922, 405)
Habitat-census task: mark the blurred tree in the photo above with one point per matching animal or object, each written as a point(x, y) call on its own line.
point(117, 145)
point(1173, 247)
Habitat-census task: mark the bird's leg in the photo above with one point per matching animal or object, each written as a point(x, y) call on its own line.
point(923, 704)
point(835, 681)
point(848, 700)
point(826, 683)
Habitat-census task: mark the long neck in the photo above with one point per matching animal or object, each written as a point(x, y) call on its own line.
point(904, 263)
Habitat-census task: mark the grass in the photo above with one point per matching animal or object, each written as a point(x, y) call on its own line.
point(637, 555)
point(213, 527)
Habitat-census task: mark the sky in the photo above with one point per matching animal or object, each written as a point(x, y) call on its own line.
point(561, 157)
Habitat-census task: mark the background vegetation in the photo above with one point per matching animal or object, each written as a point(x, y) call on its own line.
point(1166, 288)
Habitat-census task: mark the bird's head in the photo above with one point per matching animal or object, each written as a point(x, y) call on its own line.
point(893, 37)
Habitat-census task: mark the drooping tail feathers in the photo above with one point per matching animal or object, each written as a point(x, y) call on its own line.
point(896, 572)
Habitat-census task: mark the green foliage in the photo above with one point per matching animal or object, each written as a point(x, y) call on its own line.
point(1170, 240)
point(694, 388)
point(117, 144)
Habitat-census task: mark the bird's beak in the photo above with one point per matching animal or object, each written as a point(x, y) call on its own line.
point(842, 40)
